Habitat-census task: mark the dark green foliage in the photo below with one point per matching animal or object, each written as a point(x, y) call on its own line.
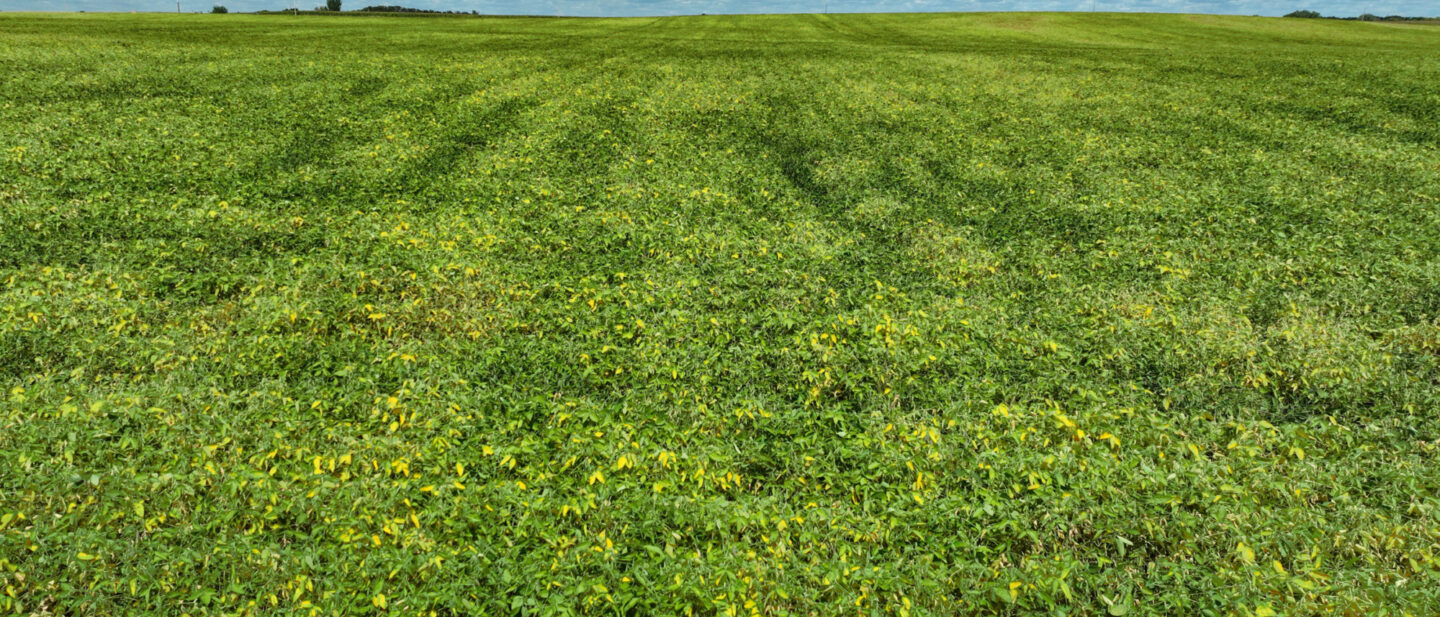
point(404, 9)
point(219, 9)
point(332, 5)
point(1041, 314)
point(1362, 17)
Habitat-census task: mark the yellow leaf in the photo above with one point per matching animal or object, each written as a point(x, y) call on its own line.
point(1246, 553)
point(1015, 590)
point(378, 600)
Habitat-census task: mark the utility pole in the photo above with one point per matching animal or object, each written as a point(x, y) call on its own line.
point(177, 6)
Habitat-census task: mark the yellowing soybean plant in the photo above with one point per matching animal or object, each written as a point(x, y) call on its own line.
point(976, 314)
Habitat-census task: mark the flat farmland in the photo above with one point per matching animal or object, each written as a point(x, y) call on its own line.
point(930, 314)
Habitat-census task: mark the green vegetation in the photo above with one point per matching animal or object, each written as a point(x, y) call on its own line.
point(1063, 314)
point(383, 8)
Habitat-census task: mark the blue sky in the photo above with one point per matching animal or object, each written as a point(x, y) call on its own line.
point(687, 7)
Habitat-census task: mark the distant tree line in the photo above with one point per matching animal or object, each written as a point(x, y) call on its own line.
point(333, 7)
point(1363, 17)
point(406, 9)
